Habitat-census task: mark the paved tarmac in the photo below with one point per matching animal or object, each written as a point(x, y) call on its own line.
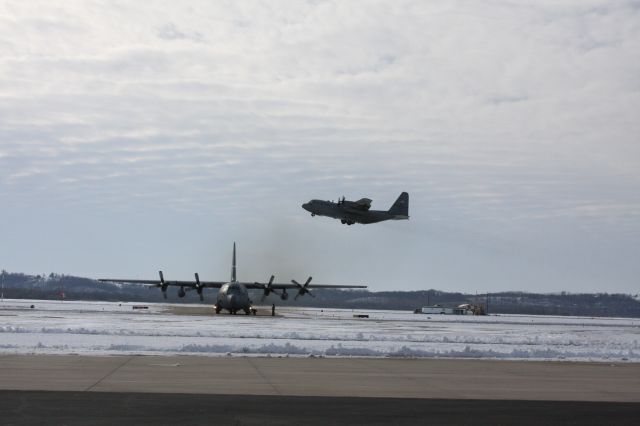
point(74, 390)
point(113, 408)
point(353, 377)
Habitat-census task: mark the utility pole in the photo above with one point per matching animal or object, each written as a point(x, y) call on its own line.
point(2, 291)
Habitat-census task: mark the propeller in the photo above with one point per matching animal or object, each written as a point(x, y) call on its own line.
point(267, 289)
point(163, 285)
point(199, 287)
point(303, 288)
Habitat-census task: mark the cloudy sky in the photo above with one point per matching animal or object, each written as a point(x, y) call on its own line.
point(137, 136)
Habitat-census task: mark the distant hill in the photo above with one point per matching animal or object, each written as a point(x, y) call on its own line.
point(23, 286)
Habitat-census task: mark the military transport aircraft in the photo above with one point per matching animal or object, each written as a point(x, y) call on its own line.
point(350, 212)
point(233, 295)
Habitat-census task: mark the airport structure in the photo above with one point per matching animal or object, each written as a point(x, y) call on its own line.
point(464, 309)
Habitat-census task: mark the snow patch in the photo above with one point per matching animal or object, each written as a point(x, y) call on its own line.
point(117, 329)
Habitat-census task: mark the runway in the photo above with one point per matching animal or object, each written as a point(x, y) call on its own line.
point(50, 389)
point(353, 377)
point(104, 363)
point(95, 408)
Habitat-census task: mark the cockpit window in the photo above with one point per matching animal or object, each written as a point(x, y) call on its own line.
point(234, 289)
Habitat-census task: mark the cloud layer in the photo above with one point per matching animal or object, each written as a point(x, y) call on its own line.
point(138, 135)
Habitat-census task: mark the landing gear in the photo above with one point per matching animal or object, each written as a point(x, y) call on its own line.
point(342, 221)
point(218, 309)
point(313, 214)
point(346, 222)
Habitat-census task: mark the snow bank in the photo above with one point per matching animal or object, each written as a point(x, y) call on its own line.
point(115, 328)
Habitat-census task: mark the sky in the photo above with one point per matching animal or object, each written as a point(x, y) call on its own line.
point(138, 136)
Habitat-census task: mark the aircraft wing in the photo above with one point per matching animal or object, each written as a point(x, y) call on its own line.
point(361, 205)
point(196, 284)
point(160, 283)
point(218, 284)
point(292, 285)
point(109, 280)
point(256, 285)
point(301, 289)
point(328, 286)
point(282, 286)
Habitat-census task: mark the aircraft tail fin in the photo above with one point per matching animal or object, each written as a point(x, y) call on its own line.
point(400, 208)
point(233, 264)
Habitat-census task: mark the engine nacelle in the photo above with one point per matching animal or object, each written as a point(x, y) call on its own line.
point(284, 295)
point(181, 292)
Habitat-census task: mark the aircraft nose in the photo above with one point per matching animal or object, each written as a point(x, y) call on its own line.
point(306, 206)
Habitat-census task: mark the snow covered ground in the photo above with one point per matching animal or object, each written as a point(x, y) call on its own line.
point(103, 328)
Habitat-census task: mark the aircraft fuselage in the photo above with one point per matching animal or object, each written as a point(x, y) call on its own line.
point(336, 211)
point(233, 297)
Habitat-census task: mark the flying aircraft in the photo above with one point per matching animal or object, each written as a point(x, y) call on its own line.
point(233, 295)
point(350, 212)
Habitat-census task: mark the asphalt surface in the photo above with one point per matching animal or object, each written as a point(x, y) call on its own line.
point(98, 408)
point(45, 389)
point(356, 377)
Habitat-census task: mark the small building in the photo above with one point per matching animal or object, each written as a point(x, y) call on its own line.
point(444, 310)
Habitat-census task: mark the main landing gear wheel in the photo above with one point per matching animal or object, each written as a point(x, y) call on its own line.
point(313, 214)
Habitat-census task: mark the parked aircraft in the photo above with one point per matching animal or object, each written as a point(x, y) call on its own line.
point(350, 212)
point(233, 295)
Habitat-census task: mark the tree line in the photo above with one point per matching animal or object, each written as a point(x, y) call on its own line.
point(56, 286)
